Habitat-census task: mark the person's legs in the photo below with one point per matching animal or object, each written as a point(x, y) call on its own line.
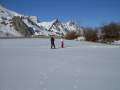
point(54, 45)
point(62, 44)
point(51, 45)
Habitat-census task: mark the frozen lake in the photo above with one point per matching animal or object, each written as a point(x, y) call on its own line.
point(30, 64)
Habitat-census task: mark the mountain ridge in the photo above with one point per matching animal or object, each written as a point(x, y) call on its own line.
point(13, 24)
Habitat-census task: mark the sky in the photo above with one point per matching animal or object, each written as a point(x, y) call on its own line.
point(88, 13)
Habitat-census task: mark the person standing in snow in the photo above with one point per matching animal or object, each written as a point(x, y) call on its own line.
point(62, 42)
point(52, 42)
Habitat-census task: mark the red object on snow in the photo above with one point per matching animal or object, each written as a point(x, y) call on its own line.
point(62, 43)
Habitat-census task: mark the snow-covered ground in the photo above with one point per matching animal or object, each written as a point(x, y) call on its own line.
point(30, 64)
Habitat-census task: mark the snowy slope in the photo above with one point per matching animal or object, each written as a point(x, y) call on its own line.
point(30, 64)
point(8, 31)
point(4, 12)
point(6, 27)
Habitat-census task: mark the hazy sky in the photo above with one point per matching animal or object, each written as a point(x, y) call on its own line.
point(86, 12)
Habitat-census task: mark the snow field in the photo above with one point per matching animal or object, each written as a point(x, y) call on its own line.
point(30, 64)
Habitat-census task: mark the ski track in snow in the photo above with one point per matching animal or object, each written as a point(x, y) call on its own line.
point(30, 64)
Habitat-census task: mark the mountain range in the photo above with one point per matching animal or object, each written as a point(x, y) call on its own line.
point(13, 24)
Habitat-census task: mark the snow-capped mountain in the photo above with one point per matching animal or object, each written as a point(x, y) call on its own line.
point(59, 27)
point(13, 24)
point(73, 26)
point(6, 27)
point(55, 26)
